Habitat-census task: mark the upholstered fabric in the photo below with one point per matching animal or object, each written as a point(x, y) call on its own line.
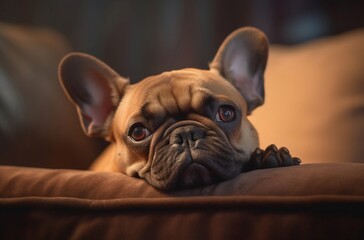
point(309, 179)
point(319, 201)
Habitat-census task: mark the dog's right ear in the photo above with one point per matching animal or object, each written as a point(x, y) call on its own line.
point(241, 59)
point(95, 89)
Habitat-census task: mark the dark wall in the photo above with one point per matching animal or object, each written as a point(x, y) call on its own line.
point(140, 38)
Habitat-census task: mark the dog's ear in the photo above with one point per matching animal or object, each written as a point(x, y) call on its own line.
point(241, 59)
point(95, 89)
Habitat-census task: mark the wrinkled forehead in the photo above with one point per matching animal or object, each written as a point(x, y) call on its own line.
point(181, 91)
point(184, 82)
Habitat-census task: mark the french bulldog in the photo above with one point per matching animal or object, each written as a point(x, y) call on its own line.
point(180, 129)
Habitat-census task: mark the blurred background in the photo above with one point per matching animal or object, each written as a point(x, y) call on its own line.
point(140, 38)
point(136, 38)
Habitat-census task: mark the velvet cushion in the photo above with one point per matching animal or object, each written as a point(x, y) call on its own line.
point(314, 200)
point(309, 179)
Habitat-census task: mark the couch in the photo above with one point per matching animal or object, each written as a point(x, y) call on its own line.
point(314, 106)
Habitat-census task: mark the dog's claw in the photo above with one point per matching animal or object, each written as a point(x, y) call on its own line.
point(272, 157)
point(272, 148)
point(297, 161)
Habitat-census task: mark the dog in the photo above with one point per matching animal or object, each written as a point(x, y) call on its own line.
point(180, 129)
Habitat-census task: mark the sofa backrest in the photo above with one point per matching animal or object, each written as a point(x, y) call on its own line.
point(315, 99)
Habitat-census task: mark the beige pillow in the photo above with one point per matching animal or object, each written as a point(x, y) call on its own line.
point(315, 99)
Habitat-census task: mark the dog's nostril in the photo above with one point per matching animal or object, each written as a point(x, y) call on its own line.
point(197, 134)
point(176, 139)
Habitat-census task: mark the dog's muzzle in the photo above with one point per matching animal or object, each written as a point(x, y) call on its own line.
point(188, 141)
point(190, 154)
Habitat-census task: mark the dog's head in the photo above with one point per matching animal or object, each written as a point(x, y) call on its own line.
point(182, 128)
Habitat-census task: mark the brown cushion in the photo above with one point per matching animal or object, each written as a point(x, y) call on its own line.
point(315, 99)
point(309, 179)
point(315, 200)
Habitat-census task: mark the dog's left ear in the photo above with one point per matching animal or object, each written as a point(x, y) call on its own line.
point(241, 59)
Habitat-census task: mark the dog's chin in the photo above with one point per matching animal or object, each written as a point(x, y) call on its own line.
point(195, 175)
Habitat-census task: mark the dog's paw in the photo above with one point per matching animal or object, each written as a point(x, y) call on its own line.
point(272, 157)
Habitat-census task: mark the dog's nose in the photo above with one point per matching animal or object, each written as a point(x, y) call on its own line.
point(186, 135)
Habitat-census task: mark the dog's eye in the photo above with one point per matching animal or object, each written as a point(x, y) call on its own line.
point(225, 113)
point(138, 132)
